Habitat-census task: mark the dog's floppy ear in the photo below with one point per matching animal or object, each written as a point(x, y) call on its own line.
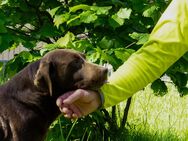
point(42, 77)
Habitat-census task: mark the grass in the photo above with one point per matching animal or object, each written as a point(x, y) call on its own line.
point(152, 118)
point(158, 118)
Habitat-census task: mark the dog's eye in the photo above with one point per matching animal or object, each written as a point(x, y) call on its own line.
point(77, 63)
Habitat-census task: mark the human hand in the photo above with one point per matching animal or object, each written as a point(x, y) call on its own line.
point(78, 103)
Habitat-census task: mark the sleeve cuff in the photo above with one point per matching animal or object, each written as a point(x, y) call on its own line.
point(102, 99)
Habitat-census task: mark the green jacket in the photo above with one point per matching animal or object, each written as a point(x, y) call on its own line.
point(167, 43)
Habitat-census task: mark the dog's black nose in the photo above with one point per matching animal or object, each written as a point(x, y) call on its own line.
point(104, 75)
point(105, 70)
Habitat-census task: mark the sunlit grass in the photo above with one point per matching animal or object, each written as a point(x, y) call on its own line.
point(151, 118)
point(159, 118)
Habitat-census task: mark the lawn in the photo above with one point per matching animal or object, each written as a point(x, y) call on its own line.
point(156, 118)
point(151, 118)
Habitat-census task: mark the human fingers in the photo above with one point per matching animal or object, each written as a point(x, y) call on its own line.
point(74, 96)
point(71, 111)
point(66, 110)
point(76, 111)
point(60, 99)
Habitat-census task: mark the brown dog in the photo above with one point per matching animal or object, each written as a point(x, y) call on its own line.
point(28, 100)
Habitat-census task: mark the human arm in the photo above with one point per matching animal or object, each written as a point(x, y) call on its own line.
point(167, 43)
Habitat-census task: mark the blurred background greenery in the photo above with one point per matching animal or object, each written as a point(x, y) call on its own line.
point(108, 32)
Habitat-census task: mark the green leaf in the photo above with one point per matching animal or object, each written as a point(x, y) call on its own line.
point(87, 17)
point(138, 5)
point(25, 55)
point(6, 41)
point(60, 19)
point(1, 66)
point(53, 11)
point(140, 37)
point(2, 27)
point(48, 30)
point(106, 56)
point(3, 18)
point(123, 54)
point(79, 7)
point(179, 79)
point(185, 56)
point(64, 41)
point(101, 10)
point(74, 20)
point(179, 66)
point(100, 22)
point(115, 21)
point(106, 42)
point(4, 2)
point(29, 44)
point(124, 13)
point(183, 91)
point(159, 87)
point(82, 45)
point(0, 40)
point(94, 57)
point(119, 20)
point(19, 62)
point(48, 48)
point(14, 46)
point(151, 12)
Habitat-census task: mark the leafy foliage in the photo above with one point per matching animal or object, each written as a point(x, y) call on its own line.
point(107, 31)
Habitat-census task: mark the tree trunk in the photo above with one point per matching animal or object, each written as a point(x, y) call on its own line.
point(126, 112)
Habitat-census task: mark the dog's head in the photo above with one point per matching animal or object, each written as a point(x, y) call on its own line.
point(63, 70)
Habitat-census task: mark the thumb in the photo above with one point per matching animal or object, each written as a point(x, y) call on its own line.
point(60, 99)
point(73, 96)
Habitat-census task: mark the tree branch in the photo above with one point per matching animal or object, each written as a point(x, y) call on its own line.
point(126, 111)
point(28, 36)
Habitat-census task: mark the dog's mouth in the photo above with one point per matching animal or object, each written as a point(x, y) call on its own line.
point(92, 80)
point(91, 84)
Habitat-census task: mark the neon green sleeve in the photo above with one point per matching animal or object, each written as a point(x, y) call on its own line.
point(167, 43)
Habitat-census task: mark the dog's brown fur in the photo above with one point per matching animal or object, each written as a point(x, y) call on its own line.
point(28, 100)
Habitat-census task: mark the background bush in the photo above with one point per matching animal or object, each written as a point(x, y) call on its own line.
point(108, 32)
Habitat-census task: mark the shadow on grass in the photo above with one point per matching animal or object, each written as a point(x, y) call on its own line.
point(144, 135)
point(150, 137)
point(118, 135)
